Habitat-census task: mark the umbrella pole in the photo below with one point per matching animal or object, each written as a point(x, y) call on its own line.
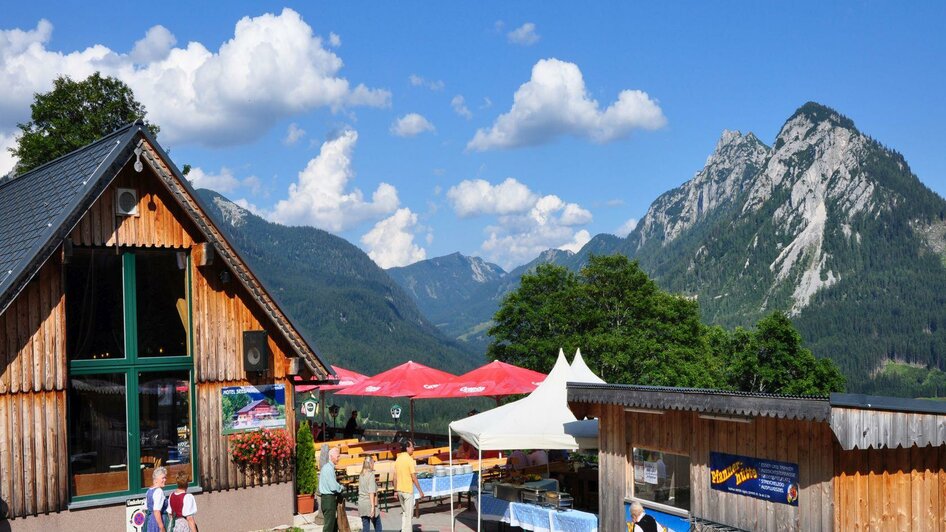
point(322, 400)
point(453, 525)
point(479, 491)
point(412, 418)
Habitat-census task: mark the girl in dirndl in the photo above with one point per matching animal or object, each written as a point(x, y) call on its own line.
point(183, 506)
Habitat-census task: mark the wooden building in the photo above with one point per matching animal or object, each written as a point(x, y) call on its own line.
point(768, 462)
point(122, 317)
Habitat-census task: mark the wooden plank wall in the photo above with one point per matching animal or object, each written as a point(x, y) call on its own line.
point(784, 440)
point(891, 489)
point(160, 222)
point(34, 459)
point(862, 428)
point(221, 313)
point(613, 468)
point(33, 456)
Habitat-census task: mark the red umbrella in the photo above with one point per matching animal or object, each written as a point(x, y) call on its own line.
point(494, 379)
point(406, 380)
point(346, 378)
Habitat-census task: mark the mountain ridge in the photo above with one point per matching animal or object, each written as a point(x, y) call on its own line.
point(826, 224)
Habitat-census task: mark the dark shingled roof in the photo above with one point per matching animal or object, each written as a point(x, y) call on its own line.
point(701, 400)
point(40, 207)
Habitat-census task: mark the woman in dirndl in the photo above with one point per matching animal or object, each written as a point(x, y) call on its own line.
point(156, 504)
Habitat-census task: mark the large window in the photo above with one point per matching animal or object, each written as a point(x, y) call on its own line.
point(661, 477)
point(130, 403)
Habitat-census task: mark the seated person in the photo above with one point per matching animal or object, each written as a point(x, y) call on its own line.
point(466, 451)
point(538, 458)
point(518, 459)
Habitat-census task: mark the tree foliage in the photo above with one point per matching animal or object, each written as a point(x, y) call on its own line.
point(632, 332)
point(773, 360)
point(73, 114)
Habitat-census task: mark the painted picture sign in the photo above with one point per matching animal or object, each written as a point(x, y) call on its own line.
point(248, 408)
point(768, 480)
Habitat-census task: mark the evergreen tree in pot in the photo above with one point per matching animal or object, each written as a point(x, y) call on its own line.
point(306, 474)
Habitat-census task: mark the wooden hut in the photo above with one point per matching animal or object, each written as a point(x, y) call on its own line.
point(740, 461)
point(124, 315)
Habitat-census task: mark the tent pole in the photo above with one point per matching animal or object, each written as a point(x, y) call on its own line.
point(453, 525)
point(479, 491)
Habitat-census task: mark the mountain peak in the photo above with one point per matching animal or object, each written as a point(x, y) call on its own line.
point(817, 113)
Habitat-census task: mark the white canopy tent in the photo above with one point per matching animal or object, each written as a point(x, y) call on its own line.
point(541, 420)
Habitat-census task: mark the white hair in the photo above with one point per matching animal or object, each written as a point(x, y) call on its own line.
point(636, 508)
point(159, 471)
point(334, 451)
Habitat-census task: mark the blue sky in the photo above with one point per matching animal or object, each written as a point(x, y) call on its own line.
point(227, 83)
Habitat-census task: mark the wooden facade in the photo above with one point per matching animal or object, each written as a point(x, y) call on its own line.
point(841, 486)
point(34, 454)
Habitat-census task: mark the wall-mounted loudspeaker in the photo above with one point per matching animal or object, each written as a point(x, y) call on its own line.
point(255, 351)
point(126, 202)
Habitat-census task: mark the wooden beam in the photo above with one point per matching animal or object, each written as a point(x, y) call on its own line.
point(202, 254)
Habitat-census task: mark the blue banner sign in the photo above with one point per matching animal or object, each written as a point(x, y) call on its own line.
point(754, 477)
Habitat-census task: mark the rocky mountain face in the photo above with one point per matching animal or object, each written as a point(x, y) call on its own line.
point(827, 225)
point(447, 288)
point(357, 316)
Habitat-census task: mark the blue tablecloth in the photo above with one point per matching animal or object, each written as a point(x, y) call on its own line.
point(440, 486)
point(537, 518)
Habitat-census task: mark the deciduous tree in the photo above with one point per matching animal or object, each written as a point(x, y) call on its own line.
point(73, 114)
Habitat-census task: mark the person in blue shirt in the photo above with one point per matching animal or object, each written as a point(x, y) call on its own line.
point(329, 490)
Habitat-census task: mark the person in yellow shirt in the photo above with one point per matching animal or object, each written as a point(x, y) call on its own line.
point(405, 479)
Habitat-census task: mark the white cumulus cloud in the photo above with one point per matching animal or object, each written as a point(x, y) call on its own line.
point(273, 67)
point(223, 181)
point(7, 160)
point(420, 81)
point(459, 107)
point(155, 46)
point(475, 197)
point(391, 243)
point(321, 197)
point(526, 223)
point(334, 40)
point(293, 134)
point(411, 125)
point(555, 102)
point(524, 35)
point(626, 228)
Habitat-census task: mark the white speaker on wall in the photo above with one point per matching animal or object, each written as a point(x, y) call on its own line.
point(126, 202)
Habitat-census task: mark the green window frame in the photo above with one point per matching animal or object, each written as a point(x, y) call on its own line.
point(131, 366)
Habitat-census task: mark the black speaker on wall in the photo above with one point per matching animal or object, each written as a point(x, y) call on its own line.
point(255, 351)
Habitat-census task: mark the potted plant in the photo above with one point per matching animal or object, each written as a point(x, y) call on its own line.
point(306, 476)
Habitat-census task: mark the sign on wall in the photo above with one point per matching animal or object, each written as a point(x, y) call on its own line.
point(135, 514)
point(248, 408)
point(768, 480)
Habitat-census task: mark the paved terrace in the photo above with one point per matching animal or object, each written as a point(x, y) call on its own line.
point(433, 518)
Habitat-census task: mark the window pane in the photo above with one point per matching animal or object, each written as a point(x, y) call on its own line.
point(95, 324)
point(662, 477)
point(164, 408)
point(161, 288)
point(98, 435)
